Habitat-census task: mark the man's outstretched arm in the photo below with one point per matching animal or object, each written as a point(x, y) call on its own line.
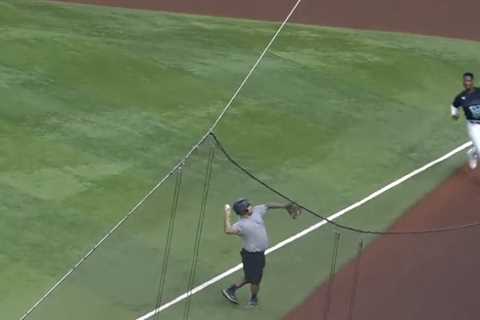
point(228, 229)
point(277, 206)
point(293, 210)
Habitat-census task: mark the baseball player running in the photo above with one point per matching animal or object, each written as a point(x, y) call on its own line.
point(469, 101)
point(251, 228)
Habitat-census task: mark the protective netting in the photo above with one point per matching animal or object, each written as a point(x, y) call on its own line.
point(399, 276)
point(425, 277)
point(176, 59)
point(169, 247)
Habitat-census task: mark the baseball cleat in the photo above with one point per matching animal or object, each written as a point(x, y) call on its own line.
point(252, 303)
point(472, 158)
point(230, 295)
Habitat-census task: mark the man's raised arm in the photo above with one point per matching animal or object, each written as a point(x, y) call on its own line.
point(228, 229)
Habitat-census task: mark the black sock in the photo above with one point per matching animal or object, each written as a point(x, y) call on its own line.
point(233, 288)
point(254, 297)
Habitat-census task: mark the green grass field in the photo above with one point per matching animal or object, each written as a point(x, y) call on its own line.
point(98, 103)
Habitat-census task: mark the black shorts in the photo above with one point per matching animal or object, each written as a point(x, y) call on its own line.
point(253, 264)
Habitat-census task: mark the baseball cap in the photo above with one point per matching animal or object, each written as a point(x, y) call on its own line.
point(240, 206)
point(469, 75)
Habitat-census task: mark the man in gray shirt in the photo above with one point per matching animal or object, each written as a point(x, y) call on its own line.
point(251, 228)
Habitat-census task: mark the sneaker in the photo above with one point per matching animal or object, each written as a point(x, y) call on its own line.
point(252, 303)
point(472, 158)
point(230, 295)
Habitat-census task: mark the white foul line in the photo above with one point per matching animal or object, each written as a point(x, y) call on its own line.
point(308, 230)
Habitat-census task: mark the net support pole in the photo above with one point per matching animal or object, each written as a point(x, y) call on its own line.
point(168, 240)
point(331, 279)
point(199, 232)
point(356, 277)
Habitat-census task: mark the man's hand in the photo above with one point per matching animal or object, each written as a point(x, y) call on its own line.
point(293, 210)
point(454, 112)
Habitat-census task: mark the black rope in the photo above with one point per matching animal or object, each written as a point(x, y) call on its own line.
point(338, 225)
point(199, 232)
point(331, 279)
point(168, 241)
point(356, 277)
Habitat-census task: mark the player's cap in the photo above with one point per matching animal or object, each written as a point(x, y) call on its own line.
point(240, 206)
point(468, 76)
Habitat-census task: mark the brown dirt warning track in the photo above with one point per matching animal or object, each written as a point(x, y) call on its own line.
point(449, 18)
point(398, 278)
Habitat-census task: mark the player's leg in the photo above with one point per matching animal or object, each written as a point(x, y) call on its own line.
point(240, 284)
point(234, 287)
point(256, 275)
point(473, 153)
point(254, 289)
point(230, 292)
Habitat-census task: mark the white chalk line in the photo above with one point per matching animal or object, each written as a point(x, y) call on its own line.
point(310, 229)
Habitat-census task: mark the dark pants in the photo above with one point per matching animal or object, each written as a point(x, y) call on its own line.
point(253, 264)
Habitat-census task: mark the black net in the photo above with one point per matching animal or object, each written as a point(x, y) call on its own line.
point(418, 268)
point(146, 269)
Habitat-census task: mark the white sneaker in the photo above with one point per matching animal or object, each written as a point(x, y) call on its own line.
point(472, 158)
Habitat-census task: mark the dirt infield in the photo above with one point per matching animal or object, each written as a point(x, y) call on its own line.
point(447, 18)
point(414, 277)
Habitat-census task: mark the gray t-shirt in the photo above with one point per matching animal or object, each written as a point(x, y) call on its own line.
point(252, 230)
